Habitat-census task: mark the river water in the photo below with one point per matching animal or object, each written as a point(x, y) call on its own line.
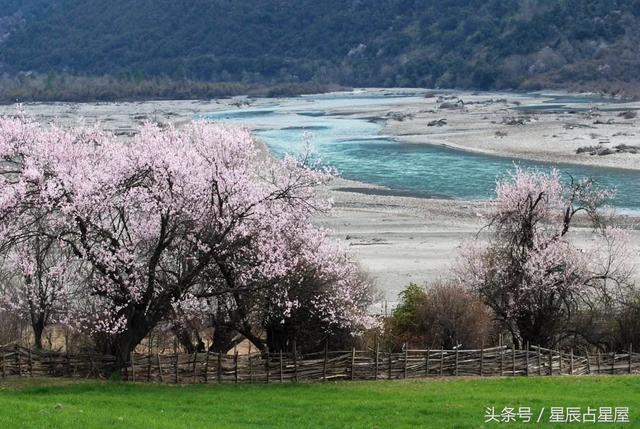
point(360, 152)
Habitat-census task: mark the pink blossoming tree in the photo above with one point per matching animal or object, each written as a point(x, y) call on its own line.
point(172, 218)
point(530, 272)
point(37, 284)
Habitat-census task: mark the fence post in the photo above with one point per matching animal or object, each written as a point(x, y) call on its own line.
point(250, 367)
point(325, 360)
point(176, 377)
point(441, 361)
point(539, 361)
point(389, 374)
point(18, 364)
point(281, 375)
point(571, 368)
point(31, 363)
point(149, 359)
point(526, 366)
point(456, 370)
point(588, 362)
point(47, 358)
point(550, 362)
point(133, 367)
point(482, 359)
point(66, 352)
point(295, 361)
point(4, 364)
point(353, 363)
point(235, 366)
point(219, 367)
point(513, 360)
point(159, 367)
point(613, 363)
point(426, 364)
point(598, 361)
point(377, 358)
point(92, 368)
point(501, 358)
point(206, 366)
point(560, 360)
point(406, 360)
point(195, 367)
point(630, 356)
point(268, 366)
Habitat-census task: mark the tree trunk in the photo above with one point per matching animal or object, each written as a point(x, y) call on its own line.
point(186, 339)
point(224, 338)
point(38, 329)
point(278, 337)
point(123, 343)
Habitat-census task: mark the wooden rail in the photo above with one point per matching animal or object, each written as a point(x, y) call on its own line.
point(208, 367)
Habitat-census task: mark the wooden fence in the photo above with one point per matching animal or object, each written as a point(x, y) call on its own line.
point(327, 365)
point(21, 361)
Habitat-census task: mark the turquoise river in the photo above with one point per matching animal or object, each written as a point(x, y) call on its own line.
point(360, 152)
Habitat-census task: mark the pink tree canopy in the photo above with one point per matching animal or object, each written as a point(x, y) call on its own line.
point(531, 273)
point(147, 219)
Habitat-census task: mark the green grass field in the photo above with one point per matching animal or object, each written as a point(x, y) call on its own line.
point(434, 403)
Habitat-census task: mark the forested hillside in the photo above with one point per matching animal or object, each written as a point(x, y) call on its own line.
point(483, 44)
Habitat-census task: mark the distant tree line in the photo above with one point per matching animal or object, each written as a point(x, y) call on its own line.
point(494, 44)
point(65, 87)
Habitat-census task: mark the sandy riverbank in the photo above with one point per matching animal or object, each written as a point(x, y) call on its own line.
point(516, 125)
point(121, 118)
point(400, 239)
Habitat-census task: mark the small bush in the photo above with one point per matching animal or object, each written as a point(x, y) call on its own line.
point(442, 314)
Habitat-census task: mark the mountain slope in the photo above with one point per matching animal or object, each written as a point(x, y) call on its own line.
point(449, 43)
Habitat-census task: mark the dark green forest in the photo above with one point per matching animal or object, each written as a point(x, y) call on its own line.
point(480, 44)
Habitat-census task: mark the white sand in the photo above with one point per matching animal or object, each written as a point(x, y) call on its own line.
point(399, 240)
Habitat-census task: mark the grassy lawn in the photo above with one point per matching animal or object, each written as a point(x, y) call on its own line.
point(437, 403)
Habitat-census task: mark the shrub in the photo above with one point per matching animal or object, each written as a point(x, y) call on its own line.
point(443, 314)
